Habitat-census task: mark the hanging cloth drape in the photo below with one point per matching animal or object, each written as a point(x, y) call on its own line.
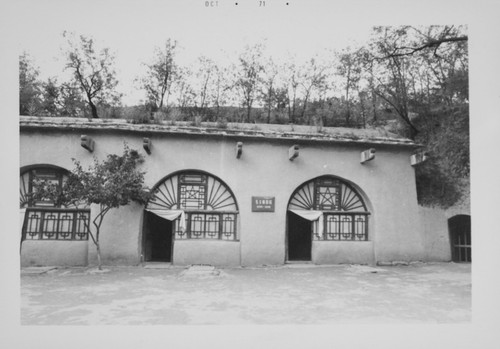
point(313, 216)
point(171, 215)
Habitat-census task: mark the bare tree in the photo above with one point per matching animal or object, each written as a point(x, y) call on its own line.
point(290, 77)
point(433, 37)
point(182, 88)
point(70, 100)
point(205, 76)
point(220, 88)
point(92, 70)
point(391, 73)
point(249, 75)
point(268, 90)
point(160, 74)
point(312, 77)
point(29, 86)
point(349, 68)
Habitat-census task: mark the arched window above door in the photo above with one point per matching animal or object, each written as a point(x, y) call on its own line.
point(326, 194)
point(192, 190)
point(338, 210)
point(208, 205)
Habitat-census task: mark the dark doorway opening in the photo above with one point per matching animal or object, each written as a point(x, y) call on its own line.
point(299, 238)
point(460, 238)
point(157, 245)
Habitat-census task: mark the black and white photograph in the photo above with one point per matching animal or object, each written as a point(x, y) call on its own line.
point(250, 173)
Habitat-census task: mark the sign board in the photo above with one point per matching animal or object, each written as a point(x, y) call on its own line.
point(262, 203)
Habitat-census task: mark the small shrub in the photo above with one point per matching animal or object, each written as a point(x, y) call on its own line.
point(318, 123)
point(159, 116)
point(222, 123)
point(138, 114)
point(171, 116)
point(196, 121)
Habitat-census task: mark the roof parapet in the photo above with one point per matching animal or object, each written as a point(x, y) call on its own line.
point(264, 131)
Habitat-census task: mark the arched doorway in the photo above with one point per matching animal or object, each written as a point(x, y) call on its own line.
point(187, 205)
point(324, 208)
point(158, 238)
point(459, 227)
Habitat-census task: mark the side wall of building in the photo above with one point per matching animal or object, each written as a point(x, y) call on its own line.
point(435, 228)
point(435, 233)
point(387, 184)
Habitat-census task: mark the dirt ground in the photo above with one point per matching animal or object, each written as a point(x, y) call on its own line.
point(290, 294)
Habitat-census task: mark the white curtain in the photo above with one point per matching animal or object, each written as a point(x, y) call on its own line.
point(171, 215)
point(313, 216)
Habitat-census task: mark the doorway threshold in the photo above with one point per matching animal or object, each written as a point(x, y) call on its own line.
point(157, 265)
point(299, 264)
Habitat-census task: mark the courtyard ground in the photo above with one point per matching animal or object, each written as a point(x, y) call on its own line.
point(290, 294)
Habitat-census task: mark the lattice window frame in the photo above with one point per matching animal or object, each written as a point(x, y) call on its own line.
point(184, 186)
point(344, 226)
point(306, 197)
point(218, 201)
point(224, 229)
point(348, 209)
point(327, 183)
point(43, 223)
point(26, 184)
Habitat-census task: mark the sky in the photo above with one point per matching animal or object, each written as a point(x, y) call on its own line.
point(217, 29)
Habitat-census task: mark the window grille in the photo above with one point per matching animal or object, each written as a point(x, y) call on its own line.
point(192, 191)
point(213, 226)
point(344, 227)
point(56, 224)
point(327, 197)
point(43, 220)
point(326, 194)
point(210, 207)
point(51, 175)
point(345, 216)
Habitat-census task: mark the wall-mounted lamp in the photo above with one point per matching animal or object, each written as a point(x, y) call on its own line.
point(293, 152)
point(87, 143)
point(367, 155)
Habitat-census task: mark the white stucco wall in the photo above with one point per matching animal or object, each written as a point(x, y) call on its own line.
point(435, 230)
point(387, 184)
point(218, 253)
point(342, 252)
point(36, 253)
point(120, 236)
point(435, 233)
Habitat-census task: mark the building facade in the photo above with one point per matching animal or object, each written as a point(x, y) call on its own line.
point(242, 195)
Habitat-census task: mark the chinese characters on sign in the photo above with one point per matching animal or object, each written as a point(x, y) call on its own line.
point(262, 203)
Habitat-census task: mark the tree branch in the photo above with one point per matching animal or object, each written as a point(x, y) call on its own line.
point(431, 43)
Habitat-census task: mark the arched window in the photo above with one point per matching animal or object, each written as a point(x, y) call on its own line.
point(53, 175)
point(340, 208)
point(43, 219)
point(209, 208)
